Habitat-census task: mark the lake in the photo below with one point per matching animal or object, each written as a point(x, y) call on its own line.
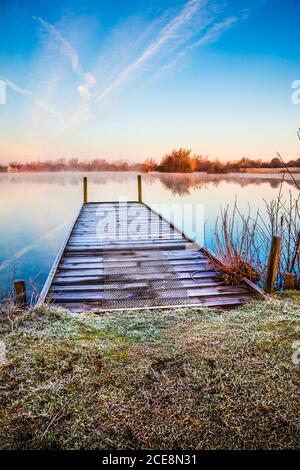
point(36, 210)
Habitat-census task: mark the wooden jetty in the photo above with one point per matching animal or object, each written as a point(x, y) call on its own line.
point(126, 256)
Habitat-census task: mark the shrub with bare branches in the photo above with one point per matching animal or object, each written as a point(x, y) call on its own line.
point(242, 242)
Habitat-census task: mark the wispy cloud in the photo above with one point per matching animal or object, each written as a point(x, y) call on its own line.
point(158, 48)
point(71, 54)
point(178, 36)
point(175, 32)
point(169, 32)
point(215, 32)
point(212, 34)
point(47, 108)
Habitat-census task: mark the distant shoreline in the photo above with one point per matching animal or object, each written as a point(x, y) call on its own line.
point(242, 171)
point(178, 161)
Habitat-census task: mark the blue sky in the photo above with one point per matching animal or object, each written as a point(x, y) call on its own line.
point(134, 79)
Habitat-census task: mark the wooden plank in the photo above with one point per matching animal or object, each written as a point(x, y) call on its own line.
point(130, 264)
point(117, 239)
point(99, 250)
point(221, 303)
point(103, 239)
point(146, 294)
point(127, 278)
point(134, 285)
point(129, 255)
point(133, 271)
point(147, 233)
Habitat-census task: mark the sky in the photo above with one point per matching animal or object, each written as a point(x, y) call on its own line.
point(135, 79)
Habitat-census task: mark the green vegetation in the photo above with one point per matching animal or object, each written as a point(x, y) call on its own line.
point(185, 379)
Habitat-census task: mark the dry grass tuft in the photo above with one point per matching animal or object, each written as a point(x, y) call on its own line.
point(236, 248)
point(234, 269)
point(185, 379)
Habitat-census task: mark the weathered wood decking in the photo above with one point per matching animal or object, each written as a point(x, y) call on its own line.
point(124, 255)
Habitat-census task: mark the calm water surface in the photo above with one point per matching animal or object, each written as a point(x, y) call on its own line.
point(36, 210)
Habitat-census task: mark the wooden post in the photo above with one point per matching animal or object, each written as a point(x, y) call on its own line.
point(20, 293)
point(85, 193)
point(139, 179)
point(273, 264)
point(290, 281)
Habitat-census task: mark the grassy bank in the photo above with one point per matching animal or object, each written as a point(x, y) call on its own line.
point(190, 379)
point(272, 170)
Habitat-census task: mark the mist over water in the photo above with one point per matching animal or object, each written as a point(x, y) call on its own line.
point(37, 209)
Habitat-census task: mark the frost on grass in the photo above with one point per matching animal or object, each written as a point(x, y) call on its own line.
point(185, 379)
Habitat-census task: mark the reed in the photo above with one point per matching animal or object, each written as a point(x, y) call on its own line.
point(242, 242)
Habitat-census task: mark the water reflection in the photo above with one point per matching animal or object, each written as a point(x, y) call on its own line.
point(36, 209)
point(183, 184)
point(177, 184)
point(66, 179)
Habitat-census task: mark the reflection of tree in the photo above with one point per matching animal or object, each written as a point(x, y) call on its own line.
point(150, 178)
point(180, 184)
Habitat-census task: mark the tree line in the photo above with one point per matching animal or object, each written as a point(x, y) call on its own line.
point(178, 161)
point(182, 161)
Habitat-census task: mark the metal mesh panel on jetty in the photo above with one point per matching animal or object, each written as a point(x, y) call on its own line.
point(161, 285)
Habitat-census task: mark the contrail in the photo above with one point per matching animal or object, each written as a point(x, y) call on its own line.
point(71, 54)
point(214, 32)
point(180, 32)
point(168, 32)
point(46, 108)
